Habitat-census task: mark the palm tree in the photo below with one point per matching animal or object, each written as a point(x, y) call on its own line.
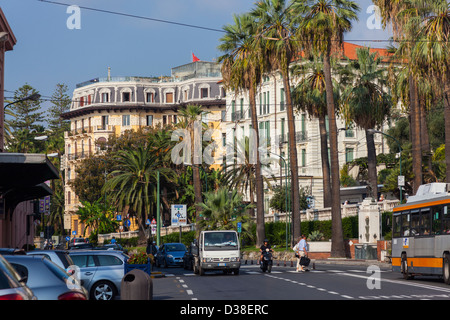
point(400, 14)
point(242, 176)
point(223, 209)
point(276, 30)
point(323, 25)
point(130, 182)
point(189, 117)
point(431, 53)
point(309, 95)
point(366, 104)
point(97, 216)
point(241, 71)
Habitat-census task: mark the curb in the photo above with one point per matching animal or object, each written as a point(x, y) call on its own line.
point(158, 274)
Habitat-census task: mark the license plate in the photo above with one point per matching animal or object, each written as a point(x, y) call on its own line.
point(222, 264)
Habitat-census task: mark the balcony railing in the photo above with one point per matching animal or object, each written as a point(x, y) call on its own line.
point(77, 155)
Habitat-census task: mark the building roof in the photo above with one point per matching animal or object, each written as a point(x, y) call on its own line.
point(350, 51)
point(4, 27)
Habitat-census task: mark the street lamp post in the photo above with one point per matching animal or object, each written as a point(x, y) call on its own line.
point(400, 155)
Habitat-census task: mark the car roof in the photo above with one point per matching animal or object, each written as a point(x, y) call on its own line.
point(96, 252)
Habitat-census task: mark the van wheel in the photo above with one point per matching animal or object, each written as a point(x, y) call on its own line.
point(446, 269)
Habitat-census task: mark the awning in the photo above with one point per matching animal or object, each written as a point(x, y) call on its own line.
point(22, 177)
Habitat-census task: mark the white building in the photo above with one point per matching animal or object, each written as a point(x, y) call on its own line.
point(272, 121)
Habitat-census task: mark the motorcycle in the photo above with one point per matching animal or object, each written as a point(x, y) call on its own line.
point(267, 262)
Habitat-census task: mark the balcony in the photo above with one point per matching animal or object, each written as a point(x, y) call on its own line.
point(104, 129)
point(77, 156)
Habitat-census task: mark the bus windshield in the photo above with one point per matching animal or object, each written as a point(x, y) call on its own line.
point(220, 241)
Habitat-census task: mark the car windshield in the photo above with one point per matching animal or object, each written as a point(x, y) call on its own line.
point(219, 240)
point(175, 247)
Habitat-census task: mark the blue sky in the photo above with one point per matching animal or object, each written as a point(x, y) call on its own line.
point(48, 52)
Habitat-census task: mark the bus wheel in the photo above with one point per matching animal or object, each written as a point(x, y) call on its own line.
point(404, 268)
point(446, 269)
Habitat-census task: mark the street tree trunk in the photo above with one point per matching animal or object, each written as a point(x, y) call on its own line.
point(447, 124)
point(295, 189)
point(325, 163)
point(416, 146)
point(259, 184)
point(337, 235)
point(372, 164)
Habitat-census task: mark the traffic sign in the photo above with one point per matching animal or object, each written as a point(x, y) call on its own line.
point(119, 217)
point(239, 227)
point(128, 223)
point(179, 215)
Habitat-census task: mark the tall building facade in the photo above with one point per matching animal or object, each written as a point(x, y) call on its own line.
point(111, 105)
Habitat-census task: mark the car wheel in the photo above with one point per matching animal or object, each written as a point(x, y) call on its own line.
point(103, 290)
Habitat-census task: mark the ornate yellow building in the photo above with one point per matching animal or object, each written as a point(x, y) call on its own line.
point(104, 106)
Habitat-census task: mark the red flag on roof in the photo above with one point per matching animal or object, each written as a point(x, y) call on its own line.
point(194, 58)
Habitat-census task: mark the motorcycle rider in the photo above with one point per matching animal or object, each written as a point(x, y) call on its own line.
point(263, 248)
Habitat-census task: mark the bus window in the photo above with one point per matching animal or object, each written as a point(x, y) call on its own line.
point(425, 222)
point(446, 219)
point(436, 219)
point(396, 232)
point(405, 223)
point(415, 222)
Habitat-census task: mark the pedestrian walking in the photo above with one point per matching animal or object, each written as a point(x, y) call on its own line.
point(303, 254)
point(297, 253)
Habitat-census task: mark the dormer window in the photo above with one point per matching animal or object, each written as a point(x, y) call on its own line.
point(126, 96)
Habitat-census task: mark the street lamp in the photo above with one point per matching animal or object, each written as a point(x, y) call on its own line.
point(400, 177)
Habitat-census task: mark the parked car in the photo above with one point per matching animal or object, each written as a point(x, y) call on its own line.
point(170, 254)
point(85, 246)
point(77, 241)
point(46, 279)
point(12, 251)
point(101, 271)
point(112, 246)
point(12, 286)
point(60, 257)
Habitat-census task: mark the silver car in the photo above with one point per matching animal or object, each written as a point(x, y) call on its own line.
point(12, 286)
point(46, 279)
point(101, 271)
point(60, 257)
